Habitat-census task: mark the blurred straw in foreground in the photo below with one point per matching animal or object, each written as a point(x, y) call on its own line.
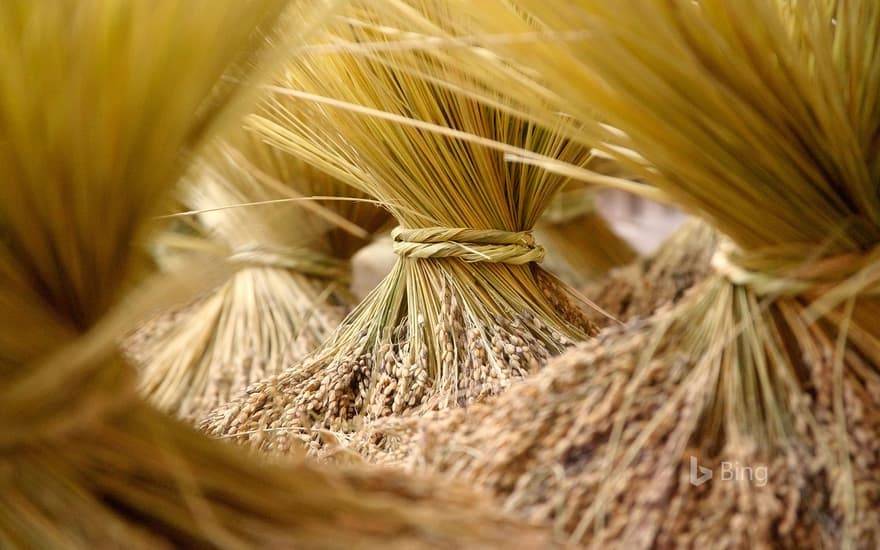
point(100, 102)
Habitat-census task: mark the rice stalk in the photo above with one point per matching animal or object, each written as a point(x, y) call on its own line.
point(466, 309)
point(290, 289)
point(101, 103)
point(763, 117)
point(480, 47)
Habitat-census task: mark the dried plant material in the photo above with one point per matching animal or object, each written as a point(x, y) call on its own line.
point(581, 246)
point(648, 284)
point(479, 47)
point(601, 443)
point(466, 309)
point(100, 102)
point(764, 117)
point(289, 292)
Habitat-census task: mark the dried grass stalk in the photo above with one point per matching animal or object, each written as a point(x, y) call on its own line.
point(466, 309)
point(289, 292)
point(479, 47)
point(765, 117)
point(100, 100)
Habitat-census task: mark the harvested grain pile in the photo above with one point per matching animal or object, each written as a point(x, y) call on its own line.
point(763, 116)
point(289, 292)
point(466, 309)
point(100, 101)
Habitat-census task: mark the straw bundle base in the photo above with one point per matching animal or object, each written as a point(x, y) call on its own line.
point(470, 353)
point(641, 288)
point(263, 318)
point(138, 479)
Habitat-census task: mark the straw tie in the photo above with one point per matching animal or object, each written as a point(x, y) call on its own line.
point(469, 245)
point(784, 271)
point(301, 260)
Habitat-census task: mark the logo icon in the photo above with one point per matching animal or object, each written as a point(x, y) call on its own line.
point(699, 474)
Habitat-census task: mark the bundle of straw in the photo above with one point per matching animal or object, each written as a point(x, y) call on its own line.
point(466, 309)
point(100, 100)
point(289, 292)
point(641, 288)
point(765, 117)
point(580, 238)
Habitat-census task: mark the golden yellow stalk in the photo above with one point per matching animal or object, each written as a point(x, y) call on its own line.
point(101, 103)
point(763, 116)
point(466, 309)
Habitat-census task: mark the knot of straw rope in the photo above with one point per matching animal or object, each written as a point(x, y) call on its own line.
point(796, 270)
point(302, 260)
point(469, 245)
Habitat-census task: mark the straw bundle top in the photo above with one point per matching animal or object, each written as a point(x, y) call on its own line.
point(787, 166)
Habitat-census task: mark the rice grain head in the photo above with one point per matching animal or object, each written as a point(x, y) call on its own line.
point(640, 289)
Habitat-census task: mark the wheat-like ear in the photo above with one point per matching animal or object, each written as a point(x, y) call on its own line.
point(101, 104)
point(757, 115)
point(646, 285)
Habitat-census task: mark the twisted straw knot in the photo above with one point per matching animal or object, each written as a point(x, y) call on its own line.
point(302, 260)
point(469, 245)
point(797, 270)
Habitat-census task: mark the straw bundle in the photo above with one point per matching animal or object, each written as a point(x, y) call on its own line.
point(289, 292)
point(466, 309)
point(764, 116)
point(579, 238)
point(640, 289)
point(100, 100)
